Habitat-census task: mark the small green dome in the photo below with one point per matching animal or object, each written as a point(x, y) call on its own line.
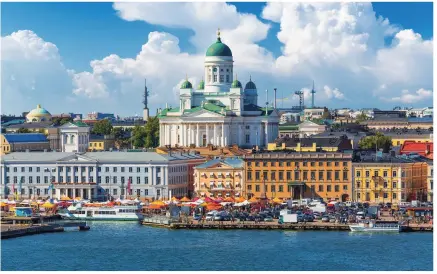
point(236, 84)
point(201, 85)
point(250, 85)
point(186, 84)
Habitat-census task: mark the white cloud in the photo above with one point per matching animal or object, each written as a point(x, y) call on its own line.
point(333, 93)
point(339, 45)
point(421, 95)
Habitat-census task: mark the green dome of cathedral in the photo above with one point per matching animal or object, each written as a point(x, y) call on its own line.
point(218, 48)
point(201, 85)
point(186, 84)
point(236, 84)
point(250, 84)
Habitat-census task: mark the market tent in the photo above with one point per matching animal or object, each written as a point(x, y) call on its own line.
point(276, 200)
point(195, 199)
point(48, 205)
point(158, 202)
point(11, 202)
point(185, 199)
point(203, 204)
point(175, 200)
point(65, 198)
point(2, 204)
point(208, 200)
point(155, 206)
point(240, 200)
point(229, 199)
point(253, 200)
point(213, 206)
point(218, 200)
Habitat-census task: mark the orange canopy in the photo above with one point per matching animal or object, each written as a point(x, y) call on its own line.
point(158, 202)
point(65, 198)
point(229, 199)
point(3, 204)
point(253, 200)
point(240, 200)
point(48, 205)
point(185, 199)
point(174, 199)
point(213, 206)
point(154, 206)
point(277, 200)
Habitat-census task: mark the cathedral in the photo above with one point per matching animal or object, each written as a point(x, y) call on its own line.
point(219, 111)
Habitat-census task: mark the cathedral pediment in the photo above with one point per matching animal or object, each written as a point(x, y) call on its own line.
point(203, 113)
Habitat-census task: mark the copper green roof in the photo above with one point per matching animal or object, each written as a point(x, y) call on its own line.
point(201, 85)
point(219, 49)
point(80, 124)
point(236, 84)
point(186, 84)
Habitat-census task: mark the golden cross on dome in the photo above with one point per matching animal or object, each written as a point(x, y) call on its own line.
point(218, 32)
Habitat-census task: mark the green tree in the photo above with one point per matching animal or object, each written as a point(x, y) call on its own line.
point(103, 127)
point(58, 121)
point(361, 117)
point(138, 136)
point(23, 130)
point(378, 140)
point(152, 132)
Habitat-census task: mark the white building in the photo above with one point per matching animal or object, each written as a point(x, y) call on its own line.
point(219, 112)
point(309, 128)
point(97, 175)
point(74, 137)
point(289, 117)
point(420, 112)
point(315, 113)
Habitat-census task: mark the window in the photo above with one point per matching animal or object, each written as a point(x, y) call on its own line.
point(296, 175)
point(281, 174)
point(359, 195)
point(130, 169)
point(114, 169)
point(257, 188)
point(122, 169)
point(288, 175)
point(305, 163)
point(367, 173)
point(146, 180)
point(114, 192)
point(227, 78)
point(107, 179)
point(99, 169)
point(247, 138)
point(403, 184)
point(394, 173)
point(99, 179)
point(394, 195)
point(257, 163)
point(320, 163)
point(344, 164)
point(265, 175)
point(328, 163)
point(146, 192)
point(385, 195)
point(15, 169)
point(281, 188)
point(222, 78)
point(376, 173)
point(215, 78)
point(376, 195)
point(91, 179)
point(38, 191)
point(305, 175)
point(76, 169)
point(313, 164)
point(30, 169)
point(38, 180)
point(345, 176)
point(249, 175)
point(336, 188)
point(30, 179)
point(146, 169)
point(138, 180)
point(76, 179)
point(264, 163)
point(272, 163)
point(358, 184)
point(61, 179)
point(337, 175)
point(114, 180)
point(273, 188)
point(320, 175)
point(320, 188)
point(257, 177)
point(367, 184)
point(138, 192)
point(15, 179)
point(394, 185)
point(328, 188)
point(344, 187)
point(288, 163)
point(38, 169)
point(328, 175)
point(83, 179)
point(358, 173)
point(385, 173)
point(106, 169)
point(82, 169)
point(385, 184)
point(273, 176)
point(7, 179)
point(249, 187)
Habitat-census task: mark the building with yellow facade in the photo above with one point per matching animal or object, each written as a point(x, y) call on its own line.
point(101, 142)
point(292, 175)
point(328, 144)
point(399, 136)
point(223, 177)
point(390, 179)
point(6, 148)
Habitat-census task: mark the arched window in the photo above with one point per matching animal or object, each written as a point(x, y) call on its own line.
point(72, 139)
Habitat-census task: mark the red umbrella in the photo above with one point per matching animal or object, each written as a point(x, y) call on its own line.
point(195, 199)
point(219, 200)
point(208, 200)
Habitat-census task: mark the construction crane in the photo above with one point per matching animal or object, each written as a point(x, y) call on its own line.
point(301, 98)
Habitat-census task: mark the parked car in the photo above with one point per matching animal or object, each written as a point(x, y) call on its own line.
point(268, 219)
point(325, 219)
point(197, 217)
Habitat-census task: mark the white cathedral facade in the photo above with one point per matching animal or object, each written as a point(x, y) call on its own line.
point(219, 112)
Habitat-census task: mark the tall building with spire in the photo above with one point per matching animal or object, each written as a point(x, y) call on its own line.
point(145, 96)
point(219, 111)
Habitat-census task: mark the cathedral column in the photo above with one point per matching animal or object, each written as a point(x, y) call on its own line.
point(182, 137)
point(267, 134)
point(207, 134)
point(223, 135)
point(215, 135)
point(197, 135)
point(87, 175)
point(259, 135)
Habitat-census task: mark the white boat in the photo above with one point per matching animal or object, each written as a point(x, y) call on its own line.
point(378, 226)
point(115, 213)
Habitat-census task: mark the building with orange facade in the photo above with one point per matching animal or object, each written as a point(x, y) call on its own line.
point(222, 177)
point(299, 175)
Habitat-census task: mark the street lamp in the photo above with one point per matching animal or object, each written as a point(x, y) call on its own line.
point(51, 181)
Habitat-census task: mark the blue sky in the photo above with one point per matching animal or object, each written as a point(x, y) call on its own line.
point(83, 32)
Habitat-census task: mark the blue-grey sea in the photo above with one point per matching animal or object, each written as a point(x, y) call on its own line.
point(131, 246)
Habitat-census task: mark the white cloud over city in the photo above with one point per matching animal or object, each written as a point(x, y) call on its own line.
point(341, 46)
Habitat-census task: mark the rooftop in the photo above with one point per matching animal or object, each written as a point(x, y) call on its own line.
point(25, 138)
point(233, 162)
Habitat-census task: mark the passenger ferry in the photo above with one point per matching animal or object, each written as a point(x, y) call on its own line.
point(376, 226)
point(115, 213)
